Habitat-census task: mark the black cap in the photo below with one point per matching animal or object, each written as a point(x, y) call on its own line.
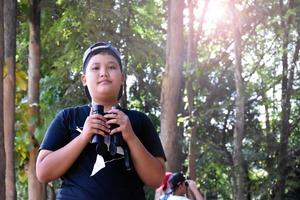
point(97, 48)
point(176, 179)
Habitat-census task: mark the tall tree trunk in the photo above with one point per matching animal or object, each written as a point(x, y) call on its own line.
point(9, 89)
point(36, 190)
point(286, 87)
point(238, 135)
point(191, 66)
point(191, 59)
point(2, 149)
point(269, 135)
point(172, 86)
point(126, 7)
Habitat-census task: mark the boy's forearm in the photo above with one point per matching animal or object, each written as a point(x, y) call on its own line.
point(150, 169)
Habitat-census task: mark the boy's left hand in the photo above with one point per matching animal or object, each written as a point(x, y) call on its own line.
point(116, 116)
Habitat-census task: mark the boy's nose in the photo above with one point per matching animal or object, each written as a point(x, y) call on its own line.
point(103, 72)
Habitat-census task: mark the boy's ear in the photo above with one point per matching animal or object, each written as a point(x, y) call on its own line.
point(83, 79)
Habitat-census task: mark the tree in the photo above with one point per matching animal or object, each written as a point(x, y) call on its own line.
point(287, 89)
point(193, 37)
point(172, 85)
point(191, 62)
point(238, 160)
point(9, 97)
point(36, 190)
point(2, 149)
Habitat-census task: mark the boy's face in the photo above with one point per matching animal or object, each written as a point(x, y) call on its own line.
point(103, 77)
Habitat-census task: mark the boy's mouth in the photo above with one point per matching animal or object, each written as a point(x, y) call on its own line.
point(104, 81)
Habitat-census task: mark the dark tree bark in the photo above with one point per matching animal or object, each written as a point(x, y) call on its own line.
point(2, 149)
point(36, 190)
point(287, 87)
point(172, 85)
point(238, 160)
point(124, 25)
point(9, 89)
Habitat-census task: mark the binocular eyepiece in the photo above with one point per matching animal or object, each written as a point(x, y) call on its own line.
point(115, 140)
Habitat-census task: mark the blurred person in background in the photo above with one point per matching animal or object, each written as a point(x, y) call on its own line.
point(182, 188)
point(164, 187)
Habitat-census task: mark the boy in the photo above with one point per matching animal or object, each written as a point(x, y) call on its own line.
point(67, 151)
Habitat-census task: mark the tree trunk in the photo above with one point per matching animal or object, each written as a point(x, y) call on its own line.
point(124, 25)
point(2, 149)
point(238, 135)
point(269, 135)
point(172, 86)
point(191, 65)
point(191, 59)
point(286, 87)
point(36, 190)
point(9, 97)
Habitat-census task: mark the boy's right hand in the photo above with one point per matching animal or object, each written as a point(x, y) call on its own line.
point(95, 124)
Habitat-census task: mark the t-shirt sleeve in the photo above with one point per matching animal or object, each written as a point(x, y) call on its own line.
point(150, 138)
point(57, 133)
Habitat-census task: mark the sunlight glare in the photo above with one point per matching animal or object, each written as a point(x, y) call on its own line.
point(216, 12)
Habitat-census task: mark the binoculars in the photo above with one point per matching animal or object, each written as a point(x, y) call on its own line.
point(115, 140)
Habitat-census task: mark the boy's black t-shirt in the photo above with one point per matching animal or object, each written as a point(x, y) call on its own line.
point(113, 182)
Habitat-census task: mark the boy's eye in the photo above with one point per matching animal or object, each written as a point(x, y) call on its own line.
point(95, 68)
point(112, 67)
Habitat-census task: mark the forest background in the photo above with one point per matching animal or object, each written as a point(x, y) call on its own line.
point(218, 78)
